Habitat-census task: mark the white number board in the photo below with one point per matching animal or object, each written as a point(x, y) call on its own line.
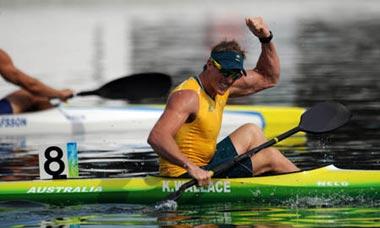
point(58, 163)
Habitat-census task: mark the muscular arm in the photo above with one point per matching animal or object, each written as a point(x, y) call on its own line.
point(181, 106)
point(11, 74)
point(266, 74)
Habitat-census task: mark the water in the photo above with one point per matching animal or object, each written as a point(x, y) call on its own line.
point(325, 55)
point(213, 215)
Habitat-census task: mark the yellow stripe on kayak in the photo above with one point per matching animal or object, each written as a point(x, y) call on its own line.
point(281, 119)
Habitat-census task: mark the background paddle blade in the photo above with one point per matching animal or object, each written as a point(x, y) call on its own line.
point(324, 117)
point(135, 87)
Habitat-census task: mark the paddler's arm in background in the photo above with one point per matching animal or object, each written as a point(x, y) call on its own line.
point(181, 107)
point(35, 87)
point(266, 74)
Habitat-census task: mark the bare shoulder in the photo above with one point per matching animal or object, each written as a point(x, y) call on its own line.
point(185, 101)
point(7, 68)
point(2, 52)
point(5, 59)
point(181, 106)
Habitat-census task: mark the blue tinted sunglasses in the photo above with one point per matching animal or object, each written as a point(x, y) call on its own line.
point(234, 74)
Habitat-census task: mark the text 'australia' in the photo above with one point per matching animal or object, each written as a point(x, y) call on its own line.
point(55, 189)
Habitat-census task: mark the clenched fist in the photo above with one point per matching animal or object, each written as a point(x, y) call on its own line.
point(258, 27)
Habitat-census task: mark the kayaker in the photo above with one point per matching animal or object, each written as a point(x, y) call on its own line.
point(186, 133)
point(34, 94)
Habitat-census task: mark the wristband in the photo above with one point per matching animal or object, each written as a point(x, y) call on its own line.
point(266, 40)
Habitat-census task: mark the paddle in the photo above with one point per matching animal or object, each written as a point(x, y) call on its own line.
point(134, 87)
point(321, 118)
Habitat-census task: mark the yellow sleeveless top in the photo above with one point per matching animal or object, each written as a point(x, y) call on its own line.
point(197, 140)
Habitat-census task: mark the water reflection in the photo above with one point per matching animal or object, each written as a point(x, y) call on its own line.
point(13, 164)
point(214, 215)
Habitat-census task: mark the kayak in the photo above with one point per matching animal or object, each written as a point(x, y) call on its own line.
point(326, 183)
point(137, 119)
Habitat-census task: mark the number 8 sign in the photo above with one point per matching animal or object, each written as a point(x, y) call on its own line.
point(56, 163)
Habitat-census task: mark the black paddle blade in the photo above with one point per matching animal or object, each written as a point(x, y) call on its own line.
point(135, 87)
point(324, 117)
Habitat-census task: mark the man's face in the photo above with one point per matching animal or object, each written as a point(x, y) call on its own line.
point(221, 82)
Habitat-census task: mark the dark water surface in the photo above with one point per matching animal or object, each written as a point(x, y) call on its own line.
point(324, 57)
point(213, 215)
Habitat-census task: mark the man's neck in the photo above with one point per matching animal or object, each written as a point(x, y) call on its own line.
point(206, 85)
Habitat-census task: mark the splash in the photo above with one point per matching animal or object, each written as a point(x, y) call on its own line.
point(167, 205)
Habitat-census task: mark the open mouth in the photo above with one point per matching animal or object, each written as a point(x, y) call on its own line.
point(223, 86)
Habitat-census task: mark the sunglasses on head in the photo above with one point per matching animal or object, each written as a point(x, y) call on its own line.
point(234, 74)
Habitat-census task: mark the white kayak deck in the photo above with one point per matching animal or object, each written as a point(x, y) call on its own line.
point(130, 124)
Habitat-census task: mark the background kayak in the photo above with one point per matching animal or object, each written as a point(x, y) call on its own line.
point(136, 121)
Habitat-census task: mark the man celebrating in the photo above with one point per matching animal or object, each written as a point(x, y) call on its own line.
point(34, 95)
point(186, 133)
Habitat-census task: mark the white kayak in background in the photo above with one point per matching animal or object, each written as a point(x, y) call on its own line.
point(136, 120)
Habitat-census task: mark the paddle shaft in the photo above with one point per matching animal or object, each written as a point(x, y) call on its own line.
point(87, 93)
point(225, 166)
